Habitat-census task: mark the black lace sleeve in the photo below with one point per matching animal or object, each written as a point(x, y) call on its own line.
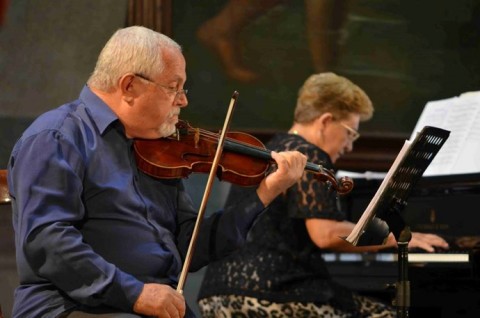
point(309, 197)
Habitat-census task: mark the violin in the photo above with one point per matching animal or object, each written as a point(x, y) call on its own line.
point(245, 160)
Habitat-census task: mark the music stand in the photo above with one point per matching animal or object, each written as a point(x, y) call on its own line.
point(392, 198)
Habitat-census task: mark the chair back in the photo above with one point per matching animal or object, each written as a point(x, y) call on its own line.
point(4, 195)
point(8, 272)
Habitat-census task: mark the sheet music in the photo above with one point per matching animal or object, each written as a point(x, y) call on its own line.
point(461, 116)
point(391, 197)
point(369, 212)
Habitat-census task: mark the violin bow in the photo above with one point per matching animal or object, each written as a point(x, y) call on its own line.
point(206, 194)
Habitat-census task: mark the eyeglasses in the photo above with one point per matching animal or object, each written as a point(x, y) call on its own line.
point(352, 133)
point(178, 92)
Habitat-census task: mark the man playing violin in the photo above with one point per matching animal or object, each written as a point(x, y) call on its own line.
point(94, 235)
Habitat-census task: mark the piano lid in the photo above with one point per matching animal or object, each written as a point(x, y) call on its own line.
point(367, 183)
point(469, 182)
point(444, 205)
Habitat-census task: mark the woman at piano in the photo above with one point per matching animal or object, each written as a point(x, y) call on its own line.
point(280, 271)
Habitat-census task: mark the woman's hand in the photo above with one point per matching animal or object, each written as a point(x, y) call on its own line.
point(290, 168)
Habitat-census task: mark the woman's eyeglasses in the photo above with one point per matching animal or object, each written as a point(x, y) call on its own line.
point(352, 133)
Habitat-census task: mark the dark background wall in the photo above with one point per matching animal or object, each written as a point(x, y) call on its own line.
point(47, 51)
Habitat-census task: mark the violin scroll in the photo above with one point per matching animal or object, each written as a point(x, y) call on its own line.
point(345, 185)
point(342, 186)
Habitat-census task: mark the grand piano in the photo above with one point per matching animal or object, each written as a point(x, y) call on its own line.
point(442, 284)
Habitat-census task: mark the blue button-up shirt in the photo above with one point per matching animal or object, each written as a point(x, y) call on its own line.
point(90, 228)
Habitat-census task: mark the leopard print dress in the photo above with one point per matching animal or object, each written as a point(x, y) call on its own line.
point(249, 307)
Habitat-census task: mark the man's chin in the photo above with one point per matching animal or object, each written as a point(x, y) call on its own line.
point(166, 131)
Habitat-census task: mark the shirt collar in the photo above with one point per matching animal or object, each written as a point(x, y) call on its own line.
point(101, 113)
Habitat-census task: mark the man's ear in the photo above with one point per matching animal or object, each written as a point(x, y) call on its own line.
point(128, 87)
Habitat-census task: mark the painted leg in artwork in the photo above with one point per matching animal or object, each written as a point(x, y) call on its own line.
point(221, 34)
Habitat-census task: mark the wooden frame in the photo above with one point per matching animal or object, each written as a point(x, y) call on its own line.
point(153, 14)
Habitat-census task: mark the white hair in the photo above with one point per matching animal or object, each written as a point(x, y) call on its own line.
point(134, 49)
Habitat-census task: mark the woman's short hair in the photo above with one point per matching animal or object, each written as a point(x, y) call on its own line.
point(329, 92)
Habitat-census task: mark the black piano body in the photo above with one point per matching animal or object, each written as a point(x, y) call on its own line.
point(444, 284)
point(446, 205)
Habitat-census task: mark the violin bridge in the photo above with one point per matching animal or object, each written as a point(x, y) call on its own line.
point(196, 138)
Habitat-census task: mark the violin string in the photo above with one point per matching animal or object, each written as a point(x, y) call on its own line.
point(214, 136)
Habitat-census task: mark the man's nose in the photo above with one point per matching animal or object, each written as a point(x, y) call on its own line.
point(182, 100)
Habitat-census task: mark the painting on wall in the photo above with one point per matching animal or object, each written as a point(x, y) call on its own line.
point(402, 53)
